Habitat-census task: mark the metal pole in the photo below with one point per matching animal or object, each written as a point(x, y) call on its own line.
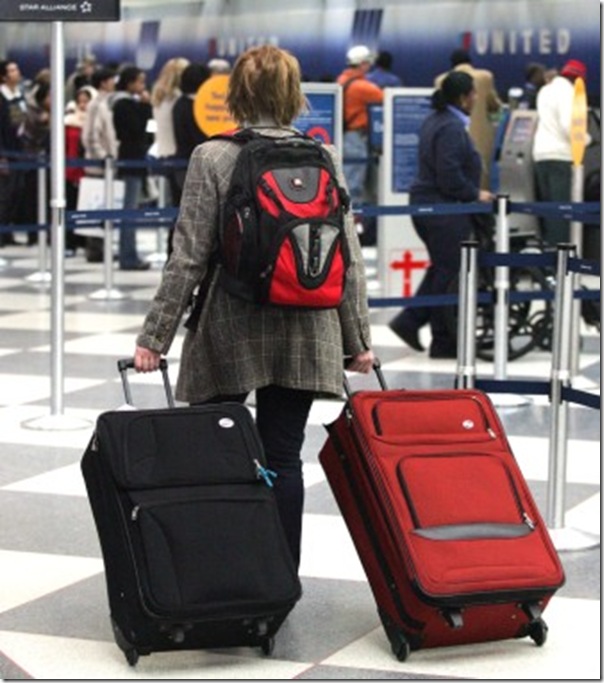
point(466, 315)
point(560, 377)
point(56, 419)
point(576, 238)
point(42, 276)
point(502, 291)
point(109, 292)
point(57, 204)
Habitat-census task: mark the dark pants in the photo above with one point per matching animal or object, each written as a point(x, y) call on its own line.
point(442, 236)
point(553, 185)
point(281, 417)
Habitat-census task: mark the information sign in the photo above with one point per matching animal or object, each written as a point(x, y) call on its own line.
point(65, 10)
point(323, 121)
point(209, 107)
point(578, 128)
point(408, 113)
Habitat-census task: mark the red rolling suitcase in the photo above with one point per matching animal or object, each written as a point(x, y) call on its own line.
point(446, 528)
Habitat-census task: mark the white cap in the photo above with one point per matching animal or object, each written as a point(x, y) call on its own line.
point(359, 54)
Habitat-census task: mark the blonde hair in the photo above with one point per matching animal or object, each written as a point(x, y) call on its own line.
point(168, 81)
point(265, 82)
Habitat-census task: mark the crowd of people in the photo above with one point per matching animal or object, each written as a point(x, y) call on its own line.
point(109, 112)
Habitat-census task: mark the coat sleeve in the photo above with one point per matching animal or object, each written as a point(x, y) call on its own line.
point(353, 311)
point(194, 238)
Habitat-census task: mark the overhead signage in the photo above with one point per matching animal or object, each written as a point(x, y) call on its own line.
point(77, 10)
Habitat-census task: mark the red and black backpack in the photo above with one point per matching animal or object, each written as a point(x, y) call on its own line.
point(282, 239)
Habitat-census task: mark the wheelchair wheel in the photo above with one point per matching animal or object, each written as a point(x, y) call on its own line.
point(530, 320)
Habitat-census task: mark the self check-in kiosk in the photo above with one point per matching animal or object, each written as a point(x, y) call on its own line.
point(323, 120)
point(517, 171)
point(402, 256)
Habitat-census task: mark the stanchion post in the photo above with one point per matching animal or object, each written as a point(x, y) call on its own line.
point(502, 291)
point(466, 315)
point(576, 238)
point(109, 292)
point(563, 537)
point(108, 225)
point(42, 275)
point(560, 377)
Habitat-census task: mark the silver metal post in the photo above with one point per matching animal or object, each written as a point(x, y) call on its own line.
point(57, 204)
point(466, 315)
point(57, 420)
point(501, 322)
point(576, 238)
point(161, 241)
point(108, 292)
point(42, 276)
point(564, 539)
point(502, 290)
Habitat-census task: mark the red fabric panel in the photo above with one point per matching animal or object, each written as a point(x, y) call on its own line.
point(457, 489)
point(287, 291)
point(318, 207)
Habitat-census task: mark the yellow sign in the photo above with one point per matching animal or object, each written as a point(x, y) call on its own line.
point(209, 108)
point(578, 126)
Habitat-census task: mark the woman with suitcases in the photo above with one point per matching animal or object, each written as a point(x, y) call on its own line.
point(287, 355)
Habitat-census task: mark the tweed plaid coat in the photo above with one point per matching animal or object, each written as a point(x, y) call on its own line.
point(240, 346)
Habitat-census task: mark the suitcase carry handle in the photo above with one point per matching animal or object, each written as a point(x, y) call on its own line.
point(377, 368)
point(125, 364)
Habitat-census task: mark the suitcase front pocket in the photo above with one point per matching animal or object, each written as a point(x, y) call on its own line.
point(212, 552)
point(471, 538)
point(462, 496)
point(432, 421)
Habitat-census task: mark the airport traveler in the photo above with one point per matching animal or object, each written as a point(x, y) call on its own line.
point(448, 172)
point(12, 115)
point(99, 140)
point(288, 356)
point(131, 112)
point(35, 136)
point(552, 146)
point(75, 116)
point(357, 93)
point(164, 94)
point(486, 109)
point(534, 81)
point(381, 74)
point(187, 133)
point(218, 66)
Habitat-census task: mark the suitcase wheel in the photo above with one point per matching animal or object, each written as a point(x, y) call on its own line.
point(400, 646)
point(267, 645)
point(537, 630)
point(132, 656)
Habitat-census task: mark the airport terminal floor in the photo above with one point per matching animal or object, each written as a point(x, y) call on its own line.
point(54, 620)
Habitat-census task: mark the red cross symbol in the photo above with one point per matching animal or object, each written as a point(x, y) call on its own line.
point(408, 265)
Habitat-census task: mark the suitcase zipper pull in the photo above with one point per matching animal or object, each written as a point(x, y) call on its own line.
point(134, 513)
point(264, 473)
point(528, 521)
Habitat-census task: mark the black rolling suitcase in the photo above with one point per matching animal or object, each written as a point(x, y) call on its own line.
point(193, 548)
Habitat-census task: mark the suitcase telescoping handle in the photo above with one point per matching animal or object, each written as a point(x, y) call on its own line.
point(377, 368)
point(125, 364)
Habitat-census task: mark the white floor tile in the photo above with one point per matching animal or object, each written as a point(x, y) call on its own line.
point(28, 576)
point(95, 660)
point(15, 389)
point(328, 551)
point(572, 651)
point(64, 481)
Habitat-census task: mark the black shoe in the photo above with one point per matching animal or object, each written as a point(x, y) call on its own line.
point(139, 265)
point(408, 334)
point(443, 353)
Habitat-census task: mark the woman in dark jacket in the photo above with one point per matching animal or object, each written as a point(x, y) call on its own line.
point(449, 172)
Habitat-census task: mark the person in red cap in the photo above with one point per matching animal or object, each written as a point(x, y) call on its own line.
point(552, 146)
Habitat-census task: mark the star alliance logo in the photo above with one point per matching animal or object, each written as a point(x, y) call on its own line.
point(86, 7)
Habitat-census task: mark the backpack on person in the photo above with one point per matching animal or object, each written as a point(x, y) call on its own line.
point(282, 240)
